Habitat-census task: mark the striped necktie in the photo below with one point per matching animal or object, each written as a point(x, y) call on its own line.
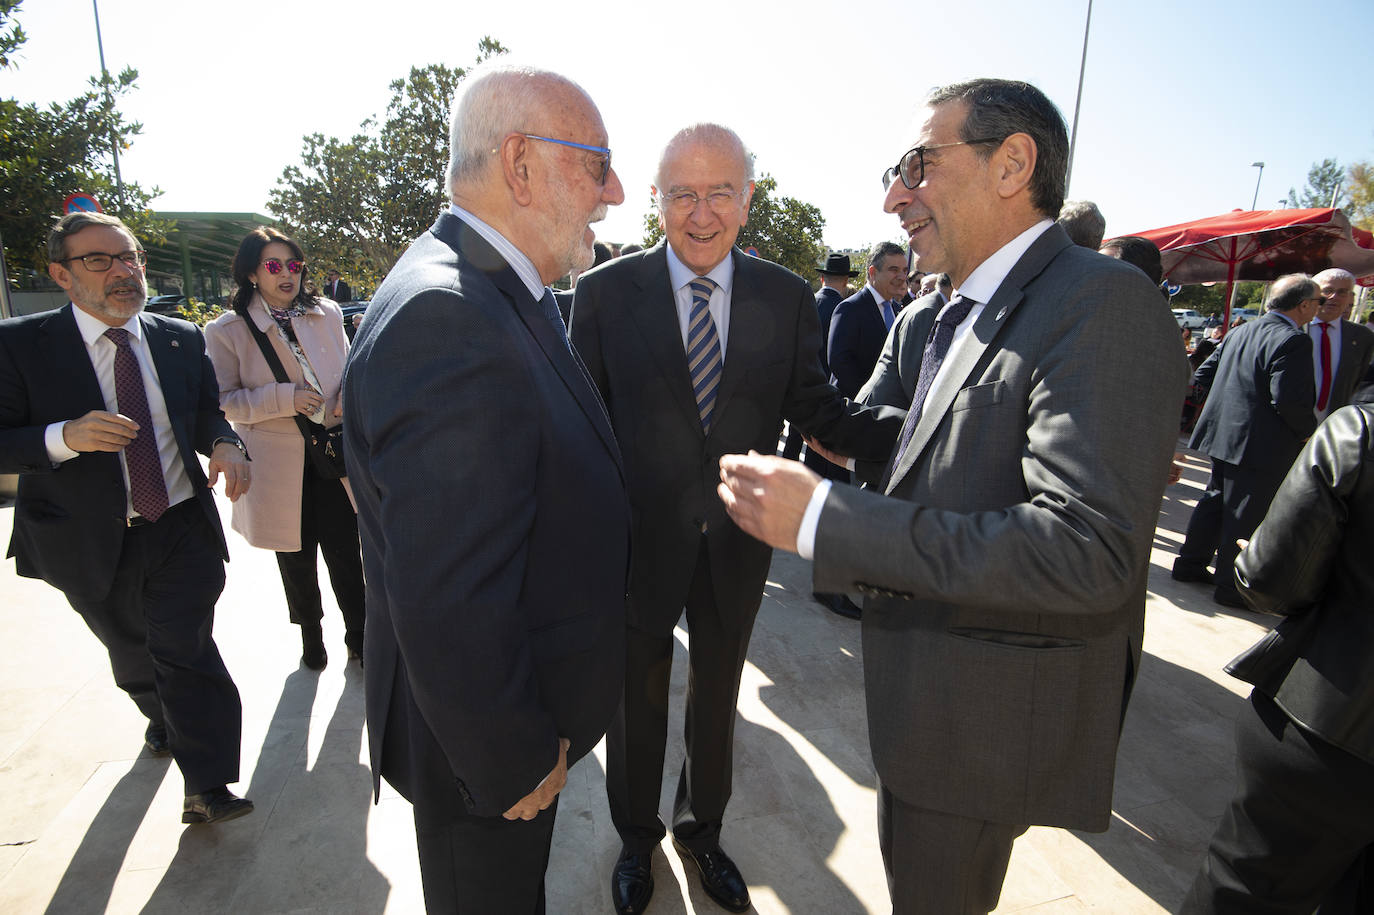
point(703, 350)
point(147, 486)
point(932, 357)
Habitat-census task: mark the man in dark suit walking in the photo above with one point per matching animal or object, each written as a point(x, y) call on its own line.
point(1341, 349)
point(1260, 395)
point(102, 410)
point(336, 289)
point(491, 498)
point(1005, 551)
point(698, 351)
point(1303, 812)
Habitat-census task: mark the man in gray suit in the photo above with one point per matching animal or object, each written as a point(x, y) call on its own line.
point(1341, 349)
point(1004, 552)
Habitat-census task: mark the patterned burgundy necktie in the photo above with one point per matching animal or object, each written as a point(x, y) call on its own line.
point(147, 487)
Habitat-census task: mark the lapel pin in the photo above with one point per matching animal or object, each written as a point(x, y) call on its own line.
point(176, 343)
point(1002, 314)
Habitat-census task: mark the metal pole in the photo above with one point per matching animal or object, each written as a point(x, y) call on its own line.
point(5, 310)
point(1260, 166)
point(1078, 100)
point(109, 104)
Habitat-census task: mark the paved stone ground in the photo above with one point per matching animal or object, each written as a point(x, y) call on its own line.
point(89, 823)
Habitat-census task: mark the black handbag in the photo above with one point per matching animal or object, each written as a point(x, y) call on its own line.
point(323, 446)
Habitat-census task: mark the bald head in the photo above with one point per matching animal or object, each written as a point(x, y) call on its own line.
point(496, 101)
point(713, 137)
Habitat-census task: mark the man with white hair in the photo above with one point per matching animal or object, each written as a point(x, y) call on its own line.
point(491, 498)
point(1341, 349)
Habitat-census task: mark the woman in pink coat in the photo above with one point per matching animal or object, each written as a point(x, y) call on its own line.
point(292, 508)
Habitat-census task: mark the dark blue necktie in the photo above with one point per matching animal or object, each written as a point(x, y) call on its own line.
point(937, 347)
point(703, 350)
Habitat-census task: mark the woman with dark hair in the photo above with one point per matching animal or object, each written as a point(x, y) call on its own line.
point(296, 505)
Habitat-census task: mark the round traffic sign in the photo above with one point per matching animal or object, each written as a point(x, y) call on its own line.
point(81, 203)
point(751, 251)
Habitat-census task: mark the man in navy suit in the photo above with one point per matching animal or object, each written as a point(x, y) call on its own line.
point(1257, 416)
point(102, 410)
point(861, 322)
point(491, 498)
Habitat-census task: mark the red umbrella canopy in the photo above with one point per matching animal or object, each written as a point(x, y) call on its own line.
point(1259, 245)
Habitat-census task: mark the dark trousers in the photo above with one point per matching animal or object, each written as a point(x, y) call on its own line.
point(1302, 816)
point(329, 524)
point(1236, 501)
point(481, 865)
point(638, 735)
point(940, 863)
point(156, 624)
point(792, 446)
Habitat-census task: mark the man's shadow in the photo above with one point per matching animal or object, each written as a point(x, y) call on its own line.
point(89, 879)
point(315, 853)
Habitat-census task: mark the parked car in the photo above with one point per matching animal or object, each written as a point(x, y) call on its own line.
point(349, 309)
point(1190, 319)
point(1245, 314)
point(170, 305)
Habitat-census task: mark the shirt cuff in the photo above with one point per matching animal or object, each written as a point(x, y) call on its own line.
point(811, 519)
point(58, 451)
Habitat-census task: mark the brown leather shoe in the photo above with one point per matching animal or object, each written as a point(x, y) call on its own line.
point(214, 806)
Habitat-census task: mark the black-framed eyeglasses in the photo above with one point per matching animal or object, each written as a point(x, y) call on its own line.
point(722, 203)
point(99, 261)
point(274, 266)
point(912, 166)
point(602, 157)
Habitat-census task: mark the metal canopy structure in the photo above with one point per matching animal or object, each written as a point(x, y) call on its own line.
point(200, 248)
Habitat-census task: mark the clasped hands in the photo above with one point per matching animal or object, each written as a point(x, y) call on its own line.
point(100, 430)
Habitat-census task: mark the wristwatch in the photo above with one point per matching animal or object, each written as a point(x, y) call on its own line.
point(233, 441)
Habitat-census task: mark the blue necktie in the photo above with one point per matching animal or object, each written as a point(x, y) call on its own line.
point(703, 350)
point(937, 347)
point(889, 315)
point(549, 306)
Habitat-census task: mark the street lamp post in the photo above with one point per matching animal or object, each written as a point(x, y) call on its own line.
point(1260, 166)
point(1078, 100)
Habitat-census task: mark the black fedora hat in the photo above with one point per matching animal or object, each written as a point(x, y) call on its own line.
point(837, 265)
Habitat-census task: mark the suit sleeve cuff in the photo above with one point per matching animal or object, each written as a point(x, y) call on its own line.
point(58, 452)
point(811, 519)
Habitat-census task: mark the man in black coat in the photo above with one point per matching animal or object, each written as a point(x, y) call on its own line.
point(491, 498)
point(698, 351)
point(1257, 416)
point(1303, 812)
point(103, 407)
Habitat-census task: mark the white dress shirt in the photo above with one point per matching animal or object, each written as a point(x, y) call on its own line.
point(101, 350)
point(522, 265)
point(982, 284)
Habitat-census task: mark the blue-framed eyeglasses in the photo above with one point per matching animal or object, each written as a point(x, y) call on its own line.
point(602, 157)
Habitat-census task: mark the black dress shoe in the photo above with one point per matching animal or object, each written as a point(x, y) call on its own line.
point(155, 739)
point(839, 603)
point(214, 806)
point(719, 877)
point(632, 883)
point(313, 654)
point(1185, 573)
point(1230, 599)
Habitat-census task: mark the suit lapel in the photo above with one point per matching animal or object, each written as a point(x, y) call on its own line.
point(752, 324)
point(62, 345)
point(474, 250)
point(654, 313)
point(996, 312)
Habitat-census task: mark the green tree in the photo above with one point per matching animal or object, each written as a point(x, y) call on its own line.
point(785, 230)
point(48, 153)
point(355, 204)
point(1324, 179)
point(1360, 205)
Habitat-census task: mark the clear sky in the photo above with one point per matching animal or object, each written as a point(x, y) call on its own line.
point(1179, 98)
